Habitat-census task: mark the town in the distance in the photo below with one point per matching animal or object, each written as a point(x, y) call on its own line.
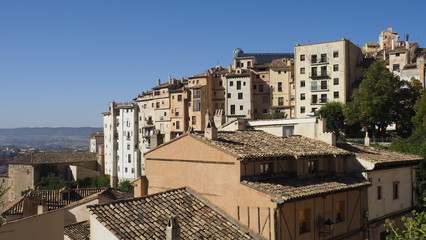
point(275, 146)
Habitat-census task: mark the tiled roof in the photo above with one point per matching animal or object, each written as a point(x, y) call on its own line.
point(51, 198)
point(291, 188)
point(248, 144)
point(55, 157)
point(116, 194)
point(78, 231)
point(146, 217)
point(378, 156)
point(279, 63)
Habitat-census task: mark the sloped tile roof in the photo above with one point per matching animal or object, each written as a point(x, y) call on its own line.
point(78, 231)
point(259, 144)
point(291, 188)
point(51, 198)
point(146, 217)
point(55, 157)
point(378, 156)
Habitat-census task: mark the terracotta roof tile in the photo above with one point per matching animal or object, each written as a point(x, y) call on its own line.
point(259, 144)
point(291, 188)
point(78, 231)
point(146, 217)
point(55, 157)
point(378, 156)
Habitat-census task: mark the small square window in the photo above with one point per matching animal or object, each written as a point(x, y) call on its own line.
point(241, 107)
point(336, 67)
point(302, 109)
point(229, 95)
point(336, 94)
point(302, 57)
point(231, 83)
point(336, 54)
point(240, 95)
point(336, 81)
point(302, 70)
point(302, 96)
point(260, 87)
point(302, 83)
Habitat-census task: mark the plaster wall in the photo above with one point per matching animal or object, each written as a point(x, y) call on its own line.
point(98, 231)
point(78, 213)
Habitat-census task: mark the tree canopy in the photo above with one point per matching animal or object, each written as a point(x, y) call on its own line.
point(382, 99)
point(332, 112)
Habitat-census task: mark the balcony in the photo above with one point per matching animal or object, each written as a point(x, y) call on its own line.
point(322, 75)
point(319, 101)
point(319, 61)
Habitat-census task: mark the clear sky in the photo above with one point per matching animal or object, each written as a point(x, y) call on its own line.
point(63, 61)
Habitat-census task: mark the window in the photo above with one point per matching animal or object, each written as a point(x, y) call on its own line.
point(177, 125)
point(242, 64)
point(324, 57)
point(128, 146)
point(335, 54)
point(266, 169)
point(314, 59)
point(314, 98)
point(314, 86)
point(323, 84)
point(196, 106)
point(260, 87)
point(323, 98)
point(336, 94)
point(324, 71)
point(302, 96)
point(397, 54)
point(125, 169)
point(133, 170)
point(288, 131)
point(280, 101)
point(248, 63)
point(336, 81)
point(254, 87)
point(336, 67)
point(244, 83)
point(312, 166)
point(229, 95)
point(231, 83)
point(240, 95)
point(265, 99)
point(238, 85)
point(129, 158)
point(179, 98)
point(176, 111)
point(157, 104)
point(302, 83)
point(302, 70)
point(340, 211)
point(302, 110)
point(280, 87)
point(314, 71)
point(232, 109)
point(194, 120)
point(379, 192)
point(241, 107)
point(396, 190)
point(302, 57)
point(395, 67)
point(304, 220)
point(197, 93)
point(279, 72)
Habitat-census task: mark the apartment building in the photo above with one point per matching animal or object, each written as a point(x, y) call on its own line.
point(256, 82)
point(325, 72)
point(121, 139)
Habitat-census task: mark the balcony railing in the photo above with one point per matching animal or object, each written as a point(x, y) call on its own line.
point(321, 75)
point(319, 101)
point(319, 88)
point(315, 61)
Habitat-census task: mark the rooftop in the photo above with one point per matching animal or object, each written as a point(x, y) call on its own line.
point(246, 144)
point(146, 217)
point(378, 156)
point(261, 58)
point(55, 157)
point(78, 231)
point(292, 188)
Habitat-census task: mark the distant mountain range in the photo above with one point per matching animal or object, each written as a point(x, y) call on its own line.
point(62, 138)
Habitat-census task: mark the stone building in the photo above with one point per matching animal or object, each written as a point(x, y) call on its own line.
point(279, 188)
point(325, 72)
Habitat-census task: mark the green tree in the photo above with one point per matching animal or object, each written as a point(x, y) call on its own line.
point(51, 182)
point(419, 119)
point(382, 99)
point(125, 186)
point(415, 227)
point(101, 181)
point(332, 112)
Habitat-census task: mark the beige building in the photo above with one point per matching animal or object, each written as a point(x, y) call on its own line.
point(279, 188)
point(393, 179)
point(257, 83)
point(325, 72)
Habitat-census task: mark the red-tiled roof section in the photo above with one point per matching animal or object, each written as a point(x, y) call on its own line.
point(55, 157)
point(146, 217)
point(78, 231)
point(379, 156)
point(259, 144)
point(291, 188)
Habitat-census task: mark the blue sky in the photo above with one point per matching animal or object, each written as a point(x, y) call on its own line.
point(62, 62)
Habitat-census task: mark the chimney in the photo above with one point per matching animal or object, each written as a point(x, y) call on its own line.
point(173, 229)
point(42, 208)
point(30, 205)
point(229, 68)
point(159, 82)
point(156, 139)
point(389, 29)
point(366, 139)
point(140, 186)
point(210, 131)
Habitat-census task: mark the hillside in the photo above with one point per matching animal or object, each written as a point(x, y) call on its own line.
point(62, 138)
